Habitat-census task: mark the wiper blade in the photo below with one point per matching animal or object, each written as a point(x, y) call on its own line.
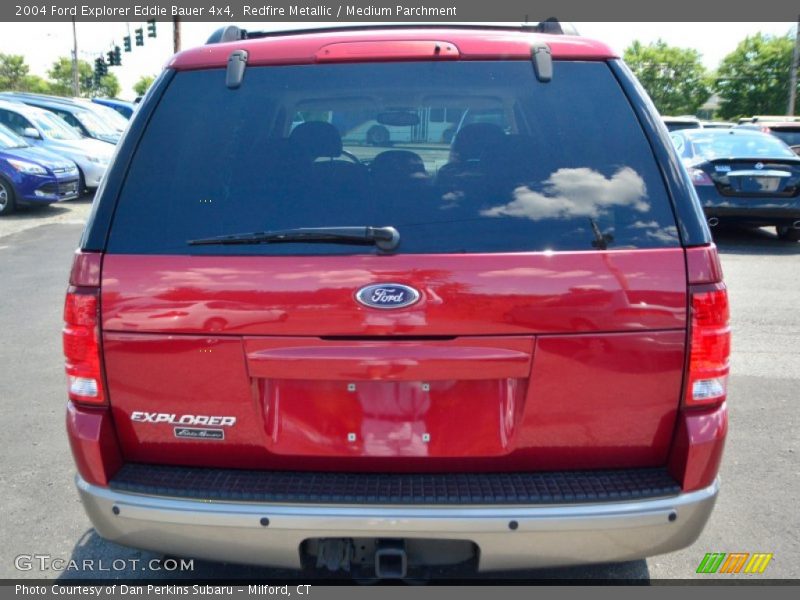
point(385, 238)
point(601, 240)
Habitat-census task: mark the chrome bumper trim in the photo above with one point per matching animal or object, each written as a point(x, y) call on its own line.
point(543, 535)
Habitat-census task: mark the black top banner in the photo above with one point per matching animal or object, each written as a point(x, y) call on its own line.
point(429, 11)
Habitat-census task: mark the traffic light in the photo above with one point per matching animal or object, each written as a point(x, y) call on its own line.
point(126, 41)
point(151, 28)
point(110, 58)
point(139, 36)
point(100, 69)
point(117, 56)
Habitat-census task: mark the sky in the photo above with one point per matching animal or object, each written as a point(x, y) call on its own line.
point(43, 43)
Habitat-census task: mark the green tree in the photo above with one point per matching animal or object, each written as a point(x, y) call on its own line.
point(13, 71)
point(144, 83)
point(754, 78)
point(109, 86)
point(34, 83)
point(61, 77)
point(674, 77)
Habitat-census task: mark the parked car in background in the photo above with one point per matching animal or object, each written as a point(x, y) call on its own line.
point(501, 351)
point(82, 118)
point(123, 107)
point(742, 176)
point(773, 118)
point(716, 124)
point(786, 131)
point(106, 113)
point(767, 119)
point(676, 123)
point(30, 175)
point(44, 129)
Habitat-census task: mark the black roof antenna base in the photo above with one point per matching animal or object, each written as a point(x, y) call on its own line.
point(555, 27)
point(229, 33)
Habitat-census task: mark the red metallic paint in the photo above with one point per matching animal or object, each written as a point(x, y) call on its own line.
point(477, 44)
point(602, 400)
point(594, 401)
point(94, 443)
point(475, 294)
point(375, 50)
point(85, 270)
point(697, 449)
point(461, 359)
point(243, 337)
point(702, 265)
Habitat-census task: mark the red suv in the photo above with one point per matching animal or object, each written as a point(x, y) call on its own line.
point(291, 345)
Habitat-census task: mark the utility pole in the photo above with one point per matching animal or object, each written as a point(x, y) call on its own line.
point(75, 84)
point(793, 71)
point(176, 34)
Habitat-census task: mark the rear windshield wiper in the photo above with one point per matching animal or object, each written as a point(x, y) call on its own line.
point(601, 240)
point(385, 238)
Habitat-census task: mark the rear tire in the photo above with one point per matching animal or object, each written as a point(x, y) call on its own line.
point(82, 191)
point(378, 135)
point(8, 202)
point(787, 233)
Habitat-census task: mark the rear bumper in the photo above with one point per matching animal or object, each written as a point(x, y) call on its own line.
point(545, 535)
point(770, 211)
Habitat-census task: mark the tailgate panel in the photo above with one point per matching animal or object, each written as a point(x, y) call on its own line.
point(507, 363)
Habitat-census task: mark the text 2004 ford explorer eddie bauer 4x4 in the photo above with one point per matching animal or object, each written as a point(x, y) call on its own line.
point(288, 344)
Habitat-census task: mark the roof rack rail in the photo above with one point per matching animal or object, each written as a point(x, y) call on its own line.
point(232, 33)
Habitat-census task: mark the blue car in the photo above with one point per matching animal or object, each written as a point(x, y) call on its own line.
point(30, 175)
point(121, 106)
point(745, 177)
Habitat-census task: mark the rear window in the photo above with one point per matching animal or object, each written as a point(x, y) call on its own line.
point(788, 135)
point(457, 156)
point(743, 145)
point(678, 125)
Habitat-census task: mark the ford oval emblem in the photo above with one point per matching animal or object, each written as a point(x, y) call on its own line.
point(387, 295)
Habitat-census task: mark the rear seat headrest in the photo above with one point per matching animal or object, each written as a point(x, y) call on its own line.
point(473, 139)
point(397, 163)
point(316, 139)
point(511, 152)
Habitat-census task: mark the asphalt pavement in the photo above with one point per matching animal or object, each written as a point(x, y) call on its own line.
point(42, 516)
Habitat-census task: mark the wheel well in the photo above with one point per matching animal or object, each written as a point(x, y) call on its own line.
point(10, 185)
point(12, 195)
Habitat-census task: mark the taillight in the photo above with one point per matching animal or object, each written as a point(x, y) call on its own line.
point(700, 177)
point(709, 348)
point(81, 334)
